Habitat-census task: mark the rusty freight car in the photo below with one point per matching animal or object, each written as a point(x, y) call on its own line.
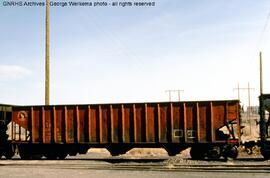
point(5, 118)
point(210, 128)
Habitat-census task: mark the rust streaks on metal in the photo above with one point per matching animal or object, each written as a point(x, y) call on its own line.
point(134, 123)
point(66, 121)
point(140, 123)
point(33, 124)
point(185, 121)
point(212, 122)
point(198, 125)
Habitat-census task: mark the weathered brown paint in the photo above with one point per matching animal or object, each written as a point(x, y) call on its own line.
point(164, 127)
point(59, 121)
point(173, 122)
point(128, 126)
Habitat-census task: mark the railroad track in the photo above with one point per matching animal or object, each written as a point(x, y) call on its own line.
point(151, 165)
point(155, 167)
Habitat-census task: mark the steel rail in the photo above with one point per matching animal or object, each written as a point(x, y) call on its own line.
point(95, 165)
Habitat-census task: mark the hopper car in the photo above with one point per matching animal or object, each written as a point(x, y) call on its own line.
point(211, 128)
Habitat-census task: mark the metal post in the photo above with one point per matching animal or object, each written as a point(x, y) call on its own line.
point(170, 97)
point(249, 118)
point(47, 54)
point(262, 112)
point(238, 88)
point(170, 94)
point(261, 73)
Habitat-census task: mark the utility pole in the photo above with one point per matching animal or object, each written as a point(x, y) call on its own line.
point(263, 126)
point(238, 89)
point(47, 54)
point(248, 110)
point(261, 75)
point(171, 91)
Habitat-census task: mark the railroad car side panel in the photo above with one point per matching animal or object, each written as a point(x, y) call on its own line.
point(104, 123)
point(59, 125)
point(164, 126)
point(82, 124)
point(36, 125)
point(128, 123)
point(172, 122)
point(47, 116)
point(70, 121)
point(93, 121)
point(177, 122)
point(203, 112)
point(139, 124)
point(116, 123)
point(151, 123)
point(20, 125)
point(191, 121)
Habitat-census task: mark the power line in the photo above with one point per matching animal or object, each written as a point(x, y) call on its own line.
point(260, 38)
point(263, 30)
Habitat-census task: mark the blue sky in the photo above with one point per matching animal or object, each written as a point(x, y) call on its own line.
point(134, 54)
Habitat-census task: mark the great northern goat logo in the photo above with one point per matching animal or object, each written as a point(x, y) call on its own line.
point(22, 115)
